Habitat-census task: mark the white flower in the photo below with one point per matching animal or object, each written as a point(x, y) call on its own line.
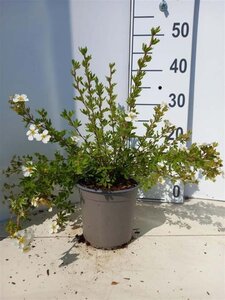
point(24, 239)
point(168, 123)
point(75, 138)
point(160, 164)
point(28, 169)
point(35, 201)
point(54, 227)
point(29, 234)
point(131, 116)
point(32, 132)
point(20, 98)
point(173, 173)
point(50, 209)
point(161, 180)
point(44, 136)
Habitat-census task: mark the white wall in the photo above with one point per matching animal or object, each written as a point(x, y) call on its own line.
point(209, 92)
point(103, 26)
point(35, 59)
point(39, 38)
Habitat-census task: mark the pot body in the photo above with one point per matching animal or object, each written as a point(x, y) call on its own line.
point(107, 216)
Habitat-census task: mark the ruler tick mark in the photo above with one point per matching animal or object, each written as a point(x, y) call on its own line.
point(139, 52)
point(147, 35)
point(142, 121)
point(143, 17)
point(149, 70)
point(147, 104)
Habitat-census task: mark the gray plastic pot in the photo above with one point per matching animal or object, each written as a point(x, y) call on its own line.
point(107, 216)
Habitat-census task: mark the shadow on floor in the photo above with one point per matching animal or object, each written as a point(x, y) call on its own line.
point(204, 213)
point(147, 217)
point(38, 216)
point(151, 215)
point(68, 257)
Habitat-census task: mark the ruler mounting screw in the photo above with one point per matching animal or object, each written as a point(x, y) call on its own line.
point(163, 6)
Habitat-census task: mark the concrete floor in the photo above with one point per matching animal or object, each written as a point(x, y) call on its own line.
point(178, 253)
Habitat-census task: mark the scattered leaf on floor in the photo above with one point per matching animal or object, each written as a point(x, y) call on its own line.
point(114, 283)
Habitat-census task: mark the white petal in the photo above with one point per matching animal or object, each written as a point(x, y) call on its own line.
point(128, 119)
point(24, 169)
point(38, 137)
point(74, 138)
point(21, 232)
point(46, 139)
point(132, 115)
point(29, 234)
point(30, 137)
point(32, 127)
point(45, 132)
point(25, 97)
point(27, 174)
point(16, 98)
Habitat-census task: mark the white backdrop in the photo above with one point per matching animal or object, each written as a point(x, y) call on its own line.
point(209, 92)
point(38, 39)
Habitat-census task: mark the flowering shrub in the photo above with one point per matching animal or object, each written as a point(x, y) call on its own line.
point(23, 239)
point(110, 155)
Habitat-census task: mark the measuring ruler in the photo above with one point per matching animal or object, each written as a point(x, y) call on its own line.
point(167, 76)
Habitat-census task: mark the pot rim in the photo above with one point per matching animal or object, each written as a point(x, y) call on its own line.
point(99, 191)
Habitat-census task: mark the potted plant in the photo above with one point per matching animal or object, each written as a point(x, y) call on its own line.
point(105, 158)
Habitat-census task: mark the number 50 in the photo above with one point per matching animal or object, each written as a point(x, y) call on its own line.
point(180, 29)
